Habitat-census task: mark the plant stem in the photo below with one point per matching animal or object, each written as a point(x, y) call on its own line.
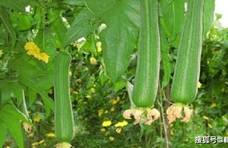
point(164, 119)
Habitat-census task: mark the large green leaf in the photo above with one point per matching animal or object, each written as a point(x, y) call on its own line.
point(40, 74)
point(15, 4)
point(166, 62)
point(99, 7)
point(172, 18)
point(58, 28)
point(82, 26)
point(38, 78)
point(120, 36)
point(2, 133)
point(208, 17)
point(45, 39)
point(11, 117)
point(48, 102)
point(4, 18)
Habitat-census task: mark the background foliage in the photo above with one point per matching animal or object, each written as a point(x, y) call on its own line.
point(99, 93)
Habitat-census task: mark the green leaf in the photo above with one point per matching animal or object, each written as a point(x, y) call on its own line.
point(18, 5)
point(11, 111)
point(48, 102)
point(82, 26)
point(2, 133)
point(120, 36)
point(11, 117)
point(4, 17)
point(74, 2)
point(130, 93)
point(172, 18)
point(166, 63)
point(45, 40)
point(22, 21)
point(119, 85)
point(40, 74)
point(57, 28)
point(100, 7)
point(6, 91)
point(208, 17)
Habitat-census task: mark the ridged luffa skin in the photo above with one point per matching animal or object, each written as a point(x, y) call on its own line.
point(187, 69)
point(147, 72)
point(64, 123)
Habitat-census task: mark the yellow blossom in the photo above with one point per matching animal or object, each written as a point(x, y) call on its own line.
point(115, 101)
point(98, 45)
point(106, 123)
point(199, 85)
point(33, 50)
point(121, 124)
point(111, 138)
point(93, 61)
point(50, 135)
point(43, 57)
point(205, 117)
point(112, 109)
point(37, 117)
point(209, 125)
point(118, 130)
point(37, 143)
point(103, 129)
point(213, 105)
point(100, 112)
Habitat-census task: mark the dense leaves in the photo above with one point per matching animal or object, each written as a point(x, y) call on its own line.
point(101, 36)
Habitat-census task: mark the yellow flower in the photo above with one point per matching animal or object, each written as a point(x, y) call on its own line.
point(43, 57)
point(111, 138)
point(199, 85)
point(50, 135)
point(33, 50)
point(93, 61)
point(34, 144)
point(118, 130)
point(115, 101)
point(103, 129)
point(100, 112)
point(37, 117)
point(106, 123)
point(112, 109)
point(213, 105)
point(98, 45)
point(121, 124)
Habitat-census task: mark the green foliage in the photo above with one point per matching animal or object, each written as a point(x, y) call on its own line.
point(120, 36)
point(11, 119)
point(102, 69)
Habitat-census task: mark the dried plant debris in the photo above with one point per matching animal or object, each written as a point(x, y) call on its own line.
point(142, 115)
point(179, 111)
